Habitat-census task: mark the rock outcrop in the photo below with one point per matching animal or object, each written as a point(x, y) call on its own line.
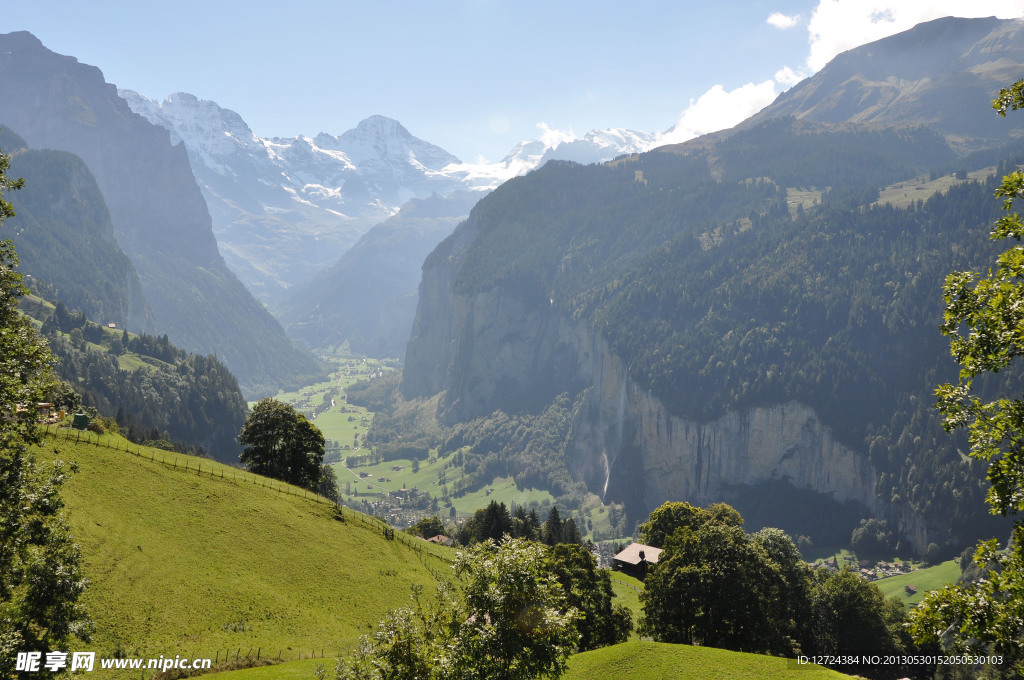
point(491, 351)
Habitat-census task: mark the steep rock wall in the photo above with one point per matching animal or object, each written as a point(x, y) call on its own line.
point(492, 351)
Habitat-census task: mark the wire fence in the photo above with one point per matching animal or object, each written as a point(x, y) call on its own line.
point(239, 657)
point(193, 465)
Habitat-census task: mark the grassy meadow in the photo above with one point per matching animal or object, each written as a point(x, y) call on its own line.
point(645, 660)
point(635, 660)
point(195, 563)
point(902, 194)
point(923, 580)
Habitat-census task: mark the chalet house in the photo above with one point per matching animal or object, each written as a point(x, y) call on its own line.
point(441, 539)
point(635, 559)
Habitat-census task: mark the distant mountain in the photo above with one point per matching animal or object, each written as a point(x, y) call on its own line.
point(942, 74)
point(64, 239)
point(739, 318)
point(368, 297)
point(158, 214)
point(285, 208)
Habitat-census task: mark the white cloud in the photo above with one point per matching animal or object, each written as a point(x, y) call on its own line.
point(840, 25)
point(788, 77)
point(718, 109)
point(780, 20)
point(553, 137)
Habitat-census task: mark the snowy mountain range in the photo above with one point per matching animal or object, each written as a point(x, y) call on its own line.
point(285, 208)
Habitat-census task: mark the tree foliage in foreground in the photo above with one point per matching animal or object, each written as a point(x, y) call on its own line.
point(984, 319)
point(505, 619)
point(717, 586)
point(40, 577)
point(589, 590)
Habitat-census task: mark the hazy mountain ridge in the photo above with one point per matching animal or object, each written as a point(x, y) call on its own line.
point(368, 297)
point(941, 73)
point(286, 207)
point(64, 238)
point(158, 214)
point(679, 299)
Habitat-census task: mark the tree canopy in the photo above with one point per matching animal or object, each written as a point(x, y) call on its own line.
point(984, 319)
point(509, 621)
point(718, 586)
point(40, 576)
point(280, 443)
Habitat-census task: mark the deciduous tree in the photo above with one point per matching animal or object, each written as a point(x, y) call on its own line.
point(281, 443)
point(40, 576)
point(589, 590)
point(984, 319)
point(508, 622)
point(714, 586)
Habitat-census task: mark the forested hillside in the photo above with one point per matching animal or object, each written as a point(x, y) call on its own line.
point(64, 238)
point(154, 391)
point(760, 272)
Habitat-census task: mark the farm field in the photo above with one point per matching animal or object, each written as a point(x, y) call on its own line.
point(902, 194)
point(804, 198)
point(341, 423)
point(923, 580)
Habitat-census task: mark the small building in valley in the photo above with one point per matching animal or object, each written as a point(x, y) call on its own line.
point(635, 559)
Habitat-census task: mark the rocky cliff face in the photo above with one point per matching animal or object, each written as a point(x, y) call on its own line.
point(493, 351)
point(158, 214)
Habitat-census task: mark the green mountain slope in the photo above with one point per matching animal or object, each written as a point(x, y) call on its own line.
point(192, 561)
point(636, 660)
point(941, 73)
point(644, 660)
point(152, 389)
point(64, 238)
point(699, 335)
point(158, 214)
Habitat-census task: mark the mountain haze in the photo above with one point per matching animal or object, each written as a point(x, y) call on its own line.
point(368, 297)
point(285, 208)
point(158, 214)
point(737, 318)
point(64, 238)
point(942, 74)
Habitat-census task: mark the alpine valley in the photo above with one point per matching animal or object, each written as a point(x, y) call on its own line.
point(751, 316)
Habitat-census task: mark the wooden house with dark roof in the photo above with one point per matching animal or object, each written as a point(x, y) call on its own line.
point(635, 559)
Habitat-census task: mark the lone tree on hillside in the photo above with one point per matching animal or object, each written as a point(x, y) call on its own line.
point(281, 443)
point(40, 577)
point(984, 319)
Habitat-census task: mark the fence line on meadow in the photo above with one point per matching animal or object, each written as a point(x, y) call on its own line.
point(170, 460)
point(237, 476)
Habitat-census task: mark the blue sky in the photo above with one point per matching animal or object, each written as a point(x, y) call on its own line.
point(473, 76)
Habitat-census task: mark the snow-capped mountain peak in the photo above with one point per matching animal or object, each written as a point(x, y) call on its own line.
point(285, 207)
